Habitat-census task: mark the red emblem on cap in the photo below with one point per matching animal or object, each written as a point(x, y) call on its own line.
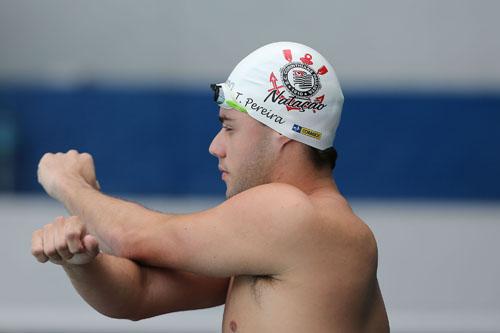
point(307, 59)
point(323, 70)
point(273, 80)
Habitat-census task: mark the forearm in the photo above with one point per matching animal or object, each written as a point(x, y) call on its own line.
point(111, 285)
point(113, 221)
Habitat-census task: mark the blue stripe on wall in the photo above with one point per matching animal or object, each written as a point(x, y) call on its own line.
point(156, 141)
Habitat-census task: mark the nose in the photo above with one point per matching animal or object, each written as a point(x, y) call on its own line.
point(217, 148)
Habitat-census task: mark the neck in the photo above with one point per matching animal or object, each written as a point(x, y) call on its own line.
point(308, 179)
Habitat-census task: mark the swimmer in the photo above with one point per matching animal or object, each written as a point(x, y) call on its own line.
point(284, 252)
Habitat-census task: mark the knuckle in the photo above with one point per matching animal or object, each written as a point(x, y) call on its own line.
point(59, 220)
point(74, 222)
point(61, 246)
point(72, 234)
point(86, 156)
point(42, 259)
point(50, 251)
point(43, 159)
point(74, 218)
point(36, 251)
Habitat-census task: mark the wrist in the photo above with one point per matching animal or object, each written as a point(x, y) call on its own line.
point(70, 190)
point(72, 267)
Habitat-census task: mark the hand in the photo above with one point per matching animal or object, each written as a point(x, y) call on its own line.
point(64, 242)
point(57, 172)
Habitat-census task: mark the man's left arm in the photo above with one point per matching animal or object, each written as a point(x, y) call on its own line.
point(247, 234)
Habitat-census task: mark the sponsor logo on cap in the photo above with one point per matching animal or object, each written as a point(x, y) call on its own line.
point(306, 131)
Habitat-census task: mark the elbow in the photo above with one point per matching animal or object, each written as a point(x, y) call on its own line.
point(134, 316)
point(124, 314)
point(130, 318)
point(117, 314)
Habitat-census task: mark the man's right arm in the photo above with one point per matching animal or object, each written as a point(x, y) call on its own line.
point(119, 287)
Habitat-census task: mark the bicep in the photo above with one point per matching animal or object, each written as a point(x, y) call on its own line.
point(254, 233)
point(167, 290)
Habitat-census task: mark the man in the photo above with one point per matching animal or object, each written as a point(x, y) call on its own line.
point(284, 252)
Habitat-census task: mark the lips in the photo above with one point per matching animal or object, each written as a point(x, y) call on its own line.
point(223, 172)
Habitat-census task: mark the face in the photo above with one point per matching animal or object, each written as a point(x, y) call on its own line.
point(245, 151)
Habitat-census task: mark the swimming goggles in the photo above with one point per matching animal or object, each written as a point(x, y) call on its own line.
point(224, 97)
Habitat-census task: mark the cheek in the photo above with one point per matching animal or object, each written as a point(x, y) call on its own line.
point(239, 146)
point(246, 135)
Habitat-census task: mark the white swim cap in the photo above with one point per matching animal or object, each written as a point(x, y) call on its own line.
point(289, 87)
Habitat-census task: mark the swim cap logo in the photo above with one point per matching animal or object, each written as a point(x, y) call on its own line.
point(301, 81)
point(306, 131)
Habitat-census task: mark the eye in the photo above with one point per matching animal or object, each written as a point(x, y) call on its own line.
point(226, 128)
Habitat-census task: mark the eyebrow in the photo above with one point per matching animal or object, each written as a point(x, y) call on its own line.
point(224, 118)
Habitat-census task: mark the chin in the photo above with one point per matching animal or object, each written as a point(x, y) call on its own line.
point(229, 194)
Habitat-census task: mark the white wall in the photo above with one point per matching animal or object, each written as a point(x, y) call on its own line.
point(438, 270)
point(446, 44)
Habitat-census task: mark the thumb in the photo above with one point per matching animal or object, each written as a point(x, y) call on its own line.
point(91, 245)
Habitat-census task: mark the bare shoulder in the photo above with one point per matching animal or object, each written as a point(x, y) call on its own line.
point(327, 216)
point(277, 202)
point(347, 231)
point(329, 213)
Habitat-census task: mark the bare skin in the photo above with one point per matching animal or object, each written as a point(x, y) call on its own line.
point(332, 286)
point(284, 252)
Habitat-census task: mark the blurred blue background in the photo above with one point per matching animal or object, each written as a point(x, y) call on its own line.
point(155, 140)
point(128, 82)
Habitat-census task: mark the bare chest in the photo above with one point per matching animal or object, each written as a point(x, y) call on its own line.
point(269, 304)
point(248, 302)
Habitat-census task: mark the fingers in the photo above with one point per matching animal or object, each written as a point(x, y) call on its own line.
point(91, 250)
point(49, 248)
point(64, 241)
point(57, 169)
point(73, 232)
point(87, 156)
point(37, 246)
point(91, 245)
point(60, 241)
point(42, 161)
point(72, 152)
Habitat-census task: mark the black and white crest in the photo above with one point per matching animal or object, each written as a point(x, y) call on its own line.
point(300, 80)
